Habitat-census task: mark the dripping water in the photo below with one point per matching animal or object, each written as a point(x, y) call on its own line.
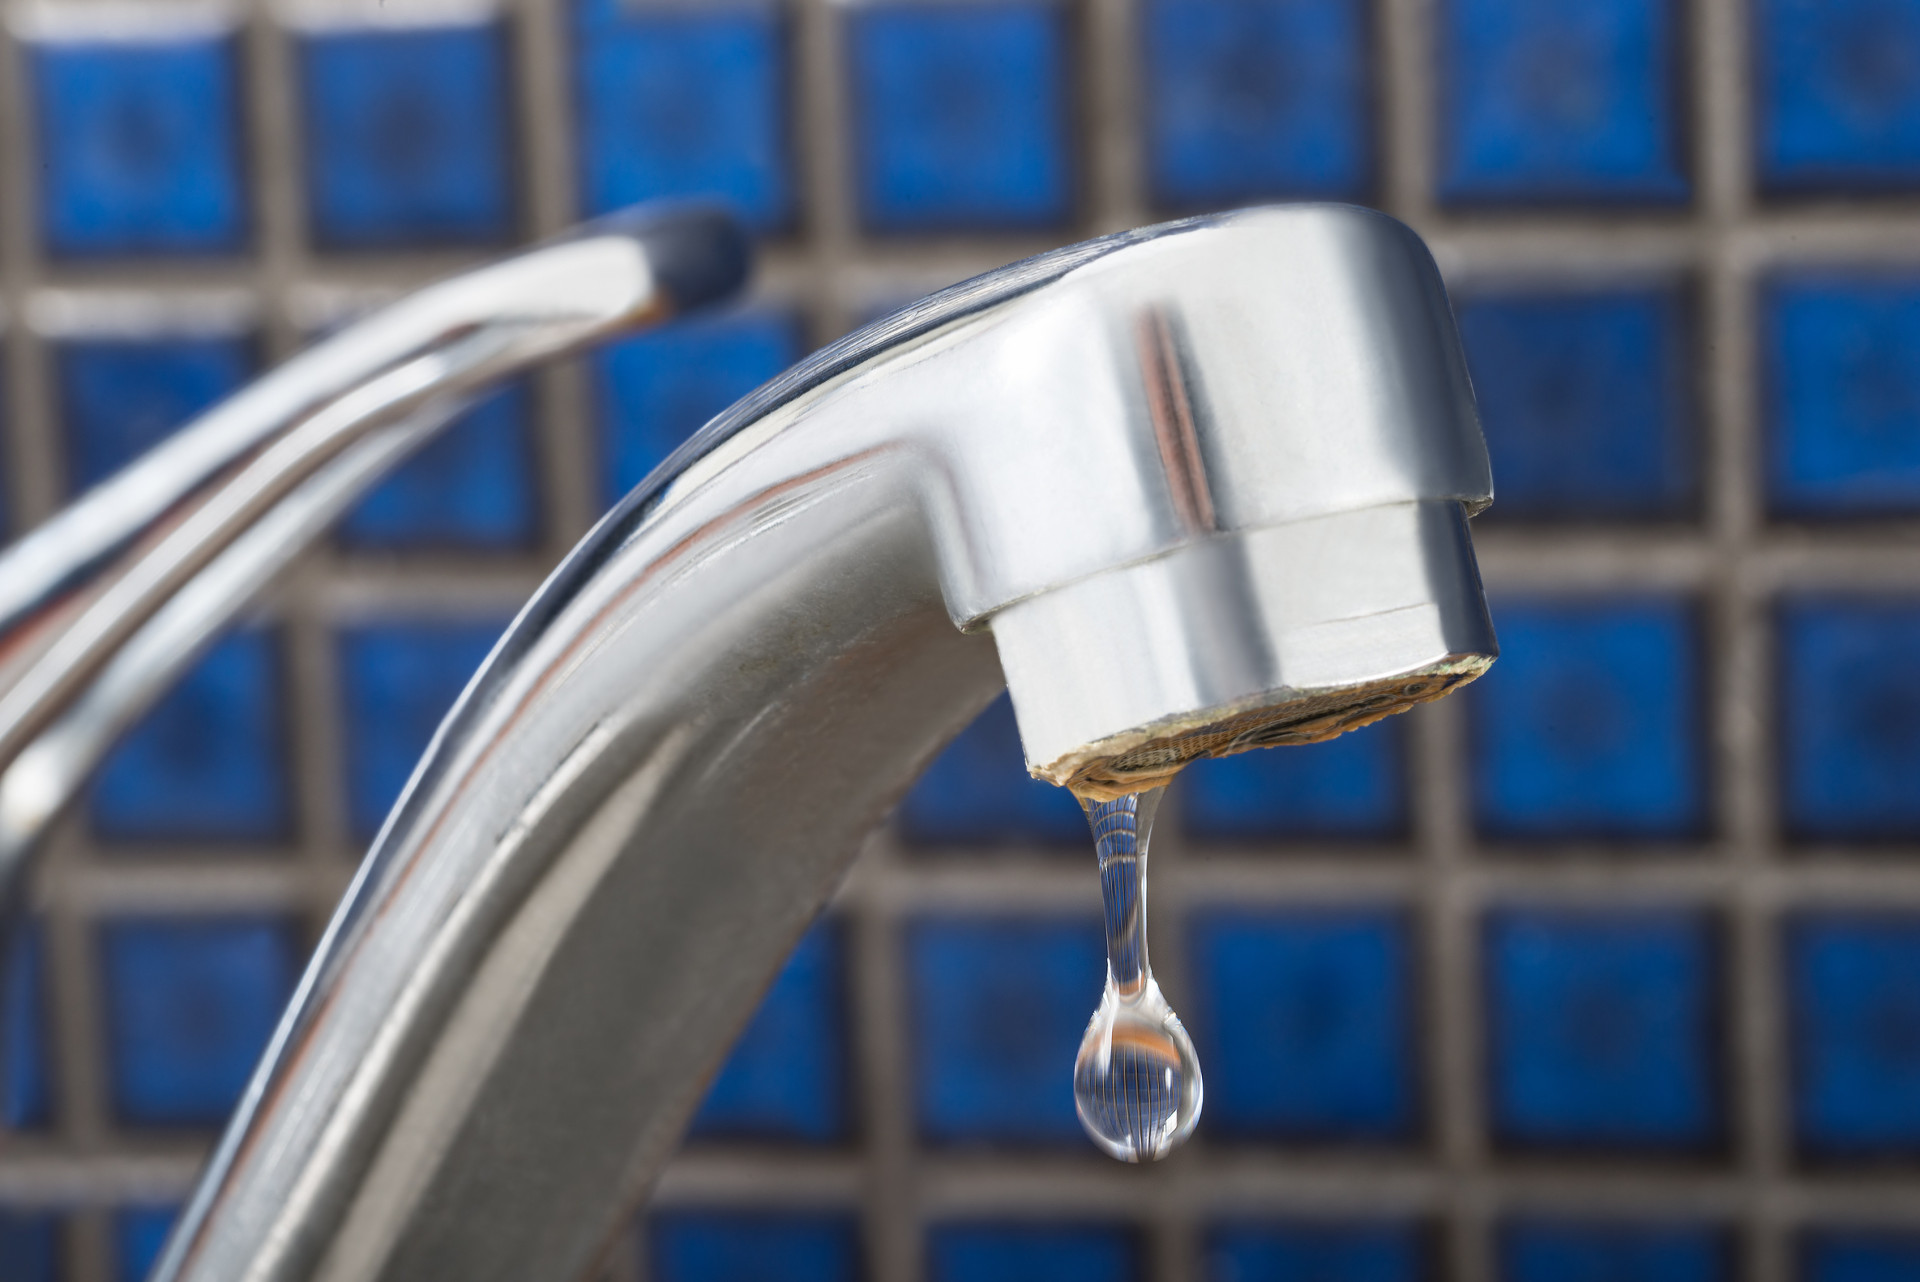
point(1136, 1081)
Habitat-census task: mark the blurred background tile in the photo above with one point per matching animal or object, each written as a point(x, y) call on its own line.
point(140, 144)
point(1306, 1024)
point(138, 1234)
point(977, 793)
point(1357, 1251)
point(653, 391)
point(1836, 95)
point(996, 1009)
point(407, 136)
point(190, 1003)
point(1562, 103)
point(961, 112)
point(1841, 360)
point(1603, 1029)
point(1853, 1001)
point(1350, 788)
point(1027, 1252)
point(30, 1245)
point(118, 397)
point(1850, 718)
point(787, 1078)
point(723, 1246)
point(1587, 1251)
point(474, 487)
point(1859, 1256)
point(1586, 398)
point(209, 762)
point(28, 1082)
point(684, 100)
point(397, 681)
point(1251, 99)
point(1590, 727)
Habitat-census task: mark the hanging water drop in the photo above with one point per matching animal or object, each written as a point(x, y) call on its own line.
point(1136, 1080)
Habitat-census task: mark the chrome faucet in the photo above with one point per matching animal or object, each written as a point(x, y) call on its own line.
point(1185, 491)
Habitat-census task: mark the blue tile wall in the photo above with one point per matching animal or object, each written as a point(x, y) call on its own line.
point(1380, 1251)
point(398, 680)
point(190, 1004)
point(407, 135)
point(684, 100)
point(1860, 1256)
point(139, 144)
point(29, 1246)
point(1603, 1029)
point(119, 397)
point(209, 762)
point(977, 792)
point(1840, 360)
point(960, 117)
point(1850, 718)
point(474, 487)
point(1583, 1251)
point(1836, 97)
point(653, 391)
point(787, 1078)
point(1586, 400)
point(1561, 103)
point(1031, 1253)
point(731, 1246)
point(996, 1011)
point(1853, 1005)
point(139, 1233)
point(1589, 727)
point(1306, 1025)
point(1254, 99)
point(1353, 787)
point(26, 1089)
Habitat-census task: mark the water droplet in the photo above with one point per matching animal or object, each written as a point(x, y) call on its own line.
point(1136, 1080)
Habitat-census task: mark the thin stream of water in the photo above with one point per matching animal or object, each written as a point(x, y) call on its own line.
point(1136, 1080)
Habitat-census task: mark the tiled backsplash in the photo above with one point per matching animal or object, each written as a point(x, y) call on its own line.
point(1609, 968)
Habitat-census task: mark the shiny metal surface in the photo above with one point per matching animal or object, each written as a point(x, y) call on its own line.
point(203, 522)
point(669, 759)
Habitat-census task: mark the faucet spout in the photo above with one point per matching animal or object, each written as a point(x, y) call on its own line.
point(1188, 490)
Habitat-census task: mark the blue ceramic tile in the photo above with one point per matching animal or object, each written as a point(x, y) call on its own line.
point(139, 146)
point(398, 681)
point(1602, 1029)
point(26, 1089)
point(1246, 99)
point(1850, 713)
point(408, 136)
point(471, 487)
point(1840, 356)
point(1860, 1256)
point(29, 1246)
point(1836, 95)
point(209, 762)
point(997, 1011)
point(1562, 103)
point(687, 101)
point(1351, 787)
point(119, 397)
point(1589, 726)
point(1586, 401)
point(139, 1233)
point(1853, 1006)
point(787, 1076)
point(1031, 1253)
point(654, 391)
point(960, 115)
point(1583, 1251)
point(754, 1246)
point(1305, 1024)
point(1383, 1251)
point(977, 792)
point(190, 1004)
